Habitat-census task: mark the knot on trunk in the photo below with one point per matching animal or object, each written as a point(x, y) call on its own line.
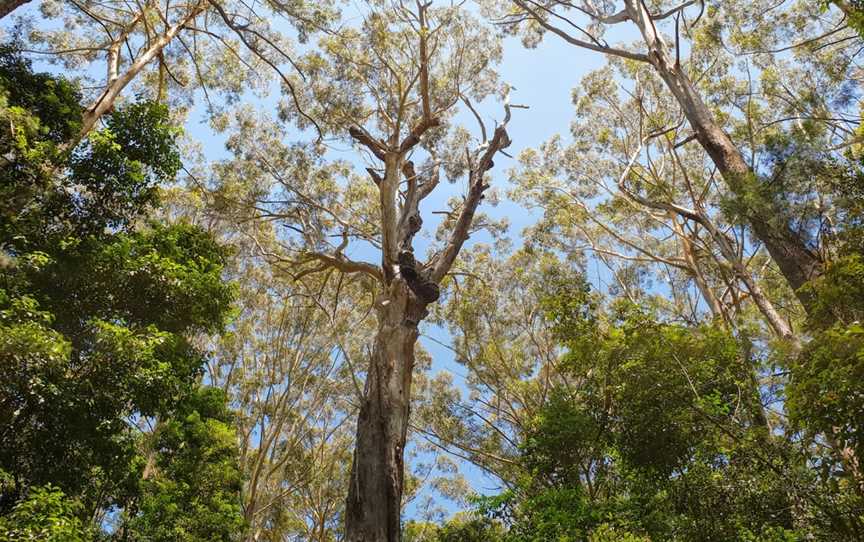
point(425, 289)
point(414, 223)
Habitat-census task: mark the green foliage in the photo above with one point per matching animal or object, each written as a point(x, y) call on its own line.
point(461, 528)
point(99, 313)
point(657, 388)
point(194, 495)
point(53, 103)
point(607, 533)
point(167, 276)
point(105, 339)
point(826, 390)
point(563, 514)
point(838, 294)
point(120, 167)
point(854, 11)
point(656, 435)
point(825, 394)
point(107, 181)
point(46, 515)
point(571, 308)
point(98, 332)
point(38, 113)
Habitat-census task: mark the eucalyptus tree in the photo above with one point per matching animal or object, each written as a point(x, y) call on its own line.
point(646, 208)
point(391, 85)
point(287, 377)
point(698, 66)
point(172, 50)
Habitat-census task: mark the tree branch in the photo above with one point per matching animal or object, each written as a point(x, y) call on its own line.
point(641, 57)
point(476, 187)
point(367, 140)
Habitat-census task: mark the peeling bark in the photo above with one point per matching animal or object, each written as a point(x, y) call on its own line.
point(373, 512)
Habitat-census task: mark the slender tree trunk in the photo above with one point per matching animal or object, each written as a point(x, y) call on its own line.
point(118, 81)
point(796, 261)
point(8, 6)
point(373, 512)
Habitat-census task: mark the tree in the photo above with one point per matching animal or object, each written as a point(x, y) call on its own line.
point(173, 50)
point(283, 365)
point(99, 310)
point(790, 247)
point(641, 205)
point(194, 489)
point(46, 514)
point(510, 356)
point(585, 409)
point(824, 388)
point(391, 85)
point(462, 528)
point(651, 432)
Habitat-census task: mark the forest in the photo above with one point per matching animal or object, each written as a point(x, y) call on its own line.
point(431, 270)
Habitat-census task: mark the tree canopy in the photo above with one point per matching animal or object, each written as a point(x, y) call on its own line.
point(290, 270)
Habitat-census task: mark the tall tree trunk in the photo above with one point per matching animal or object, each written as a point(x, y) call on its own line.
point(8, 6)
point(373, 512)
point(797, 262)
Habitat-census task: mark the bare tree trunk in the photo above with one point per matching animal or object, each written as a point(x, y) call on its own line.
point(373, 512)
point(8, 6)
point(796, 261)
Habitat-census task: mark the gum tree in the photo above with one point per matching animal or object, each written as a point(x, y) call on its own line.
point(392, 86)
point(686, 45)
point(169, 51)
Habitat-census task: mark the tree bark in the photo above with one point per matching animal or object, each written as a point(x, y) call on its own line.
point(373, 512)
point(797, 262)
point(8, 6)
